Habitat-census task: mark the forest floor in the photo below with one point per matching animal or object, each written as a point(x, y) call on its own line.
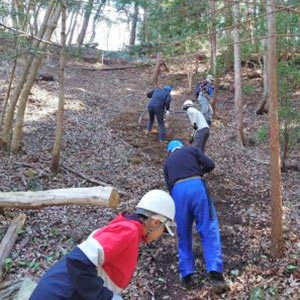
point(103, 141)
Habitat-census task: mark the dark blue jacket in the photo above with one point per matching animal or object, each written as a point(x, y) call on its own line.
point(159, 98)
point(186, 162)
point(73, 278)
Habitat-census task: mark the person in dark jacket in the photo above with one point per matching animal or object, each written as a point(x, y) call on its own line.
point(183, 171)
point(158, 105)
point(102, 266)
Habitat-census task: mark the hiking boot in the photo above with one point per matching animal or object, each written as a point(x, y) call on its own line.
point(187, 280)
point(218, 282)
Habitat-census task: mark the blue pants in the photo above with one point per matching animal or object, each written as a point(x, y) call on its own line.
point(192, 203)
point(159, 113)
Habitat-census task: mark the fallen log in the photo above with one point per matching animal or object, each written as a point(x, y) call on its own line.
point(98, 196)
point(9, 240)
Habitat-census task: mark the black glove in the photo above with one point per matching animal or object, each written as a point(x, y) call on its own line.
point(195, 126)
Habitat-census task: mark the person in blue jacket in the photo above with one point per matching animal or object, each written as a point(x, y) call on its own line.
point(158, 105)
point(183, 171)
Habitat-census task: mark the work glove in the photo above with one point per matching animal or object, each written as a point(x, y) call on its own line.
point(167, 113)
point(195, 126)
point(116, 297)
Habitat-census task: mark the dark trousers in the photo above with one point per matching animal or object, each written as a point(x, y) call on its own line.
point(157, 112)
point(200, 138)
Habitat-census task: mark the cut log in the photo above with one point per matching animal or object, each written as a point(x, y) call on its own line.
point(98, 196)
point(9, 239)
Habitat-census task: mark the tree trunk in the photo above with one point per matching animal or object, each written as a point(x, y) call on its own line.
point(261, 108)
point(237, 77)
point(213, 39)
point(96, 20)
point(61, 100)
point(228, 60)
point(9, 240)
point(35, 45)
point(275, 171)
point(73, 28)
point(32, 73)
point(87, 14)
point(159, 64)
point(213, 56)
point(98, 196)
point(134, 24)
point(12, 74)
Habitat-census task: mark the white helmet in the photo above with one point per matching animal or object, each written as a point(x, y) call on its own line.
point(160, 205)
point(187, 104)
point(209, 78)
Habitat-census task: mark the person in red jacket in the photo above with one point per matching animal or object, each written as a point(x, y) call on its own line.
point(102, 266)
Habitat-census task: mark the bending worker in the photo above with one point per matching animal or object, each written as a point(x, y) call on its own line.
point(199, 124)
point(102, 266)
point(158, 104)
point(183, 171)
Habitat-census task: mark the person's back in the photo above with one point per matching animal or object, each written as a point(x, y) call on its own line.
point(186, 162)
point(196, 117)
point(160, 98)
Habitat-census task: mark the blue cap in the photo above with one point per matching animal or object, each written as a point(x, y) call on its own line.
point(168, 88)
point(174, 144)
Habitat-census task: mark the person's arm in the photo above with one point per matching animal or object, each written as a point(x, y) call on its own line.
point(150, 94)
point(167, 180)
point(83, 274)
point(205, 162)
point(168, 102)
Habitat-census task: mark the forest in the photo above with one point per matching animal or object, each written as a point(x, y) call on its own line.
point(78, 150)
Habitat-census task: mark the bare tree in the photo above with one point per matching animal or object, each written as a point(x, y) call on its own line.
point(14, 67)
point(72, 28)
point(275, 171)
point(96, 19)
point(213, 55)
point(60, 110)
point(31, 76)
point(17, 91)
point(134, 24)
point(85, 24)
point(237, 76)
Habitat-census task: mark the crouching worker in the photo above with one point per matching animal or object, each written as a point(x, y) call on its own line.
point(102, 266)
point(200, 126)
point(158, 105)
point(183, 171)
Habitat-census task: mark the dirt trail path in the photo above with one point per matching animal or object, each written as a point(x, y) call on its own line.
point(102, 140)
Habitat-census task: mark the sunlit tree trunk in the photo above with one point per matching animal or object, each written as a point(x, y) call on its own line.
point(32, 73)
point(228, 63)
point(73, 28)
point(134, 24)
point(213, 55)
point(85, 24)
point(17, 91)
point(275, 171)
point(96, 19)
point(237, 77)
point(261, 108)
point(60, 110)
point(13, 68)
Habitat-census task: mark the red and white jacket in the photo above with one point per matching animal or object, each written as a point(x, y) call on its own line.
point(113, 249)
